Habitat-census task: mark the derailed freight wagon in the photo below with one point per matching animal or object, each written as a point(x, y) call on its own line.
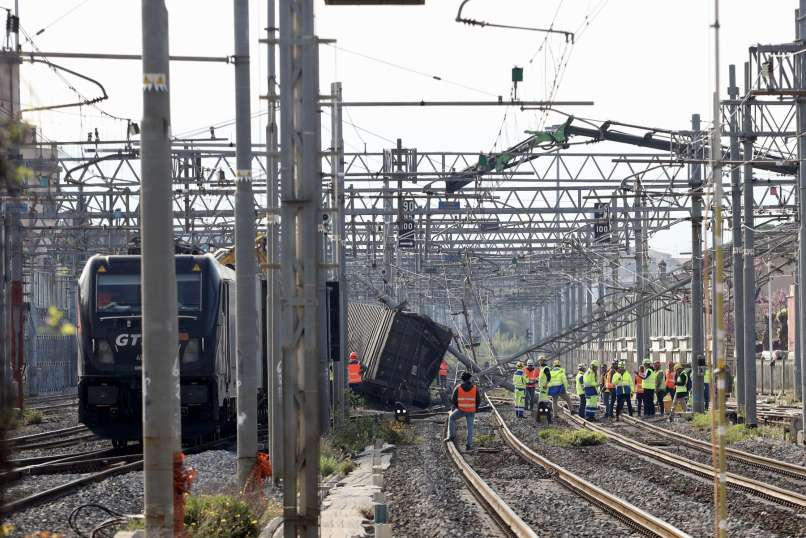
point(400, 352)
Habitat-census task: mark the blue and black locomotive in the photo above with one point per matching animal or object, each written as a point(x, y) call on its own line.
point(109, 346)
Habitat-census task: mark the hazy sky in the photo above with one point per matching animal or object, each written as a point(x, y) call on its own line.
point(648, 62)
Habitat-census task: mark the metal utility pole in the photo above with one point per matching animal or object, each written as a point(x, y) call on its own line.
point(697, 309)
point(801, 310)
point(337, 162)
point(245, 258)
point(719, 422)
point(301, 187)
point(273, 354)
point(749, 326)
point(736, 221)
point(161, 422)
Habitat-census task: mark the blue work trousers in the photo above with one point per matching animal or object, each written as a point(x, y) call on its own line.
point(609, 401)
point(581, 411)
point(531, 398)
point(469, 418)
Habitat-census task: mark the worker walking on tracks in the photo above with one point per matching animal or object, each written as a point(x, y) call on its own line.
point(591, 383)
point(443, 374)
point(681, 380)
point(354, 370)
point(623, 382)
point(660, 385)
point(580, 387)
point(558, 387)
point(519, 381)
point(609, 390)
point(532, 377)
point(648, 385)
point(466, 399)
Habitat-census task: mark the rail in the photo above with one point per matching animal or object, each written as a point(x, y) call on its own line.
point(489, 500)
point(628, 513)
point(781, 467)
point(754, 487)
point(22, 439)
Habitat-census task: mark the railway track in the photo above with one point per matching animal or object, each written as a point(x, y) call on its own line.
point(768, 464)
point(111, 463)
point(754, 487)
point(509, 522)
point(36, 440)
point(53, 407)
point(627, 513)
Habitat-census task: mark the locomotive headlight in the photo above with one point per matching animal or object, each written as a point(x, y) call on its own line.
point(192, 351)
point(104, 352)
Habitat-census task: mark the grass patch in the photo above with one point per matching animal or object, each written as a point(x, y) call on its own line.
point(358, 432)
point(327, 465)
point(345, 466)
point(397, 433)
point(219, 516)
point(32, 416)
point(485, 440)
point(737, 432)
point(701, 421)
point(572, 438)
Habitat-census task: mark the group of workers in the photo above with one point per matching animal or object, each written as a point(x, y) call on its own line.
point(650, 384)
point(617, 386)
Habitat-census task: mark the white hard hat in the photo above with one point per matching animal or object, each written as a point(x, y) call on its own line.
point(530, 362)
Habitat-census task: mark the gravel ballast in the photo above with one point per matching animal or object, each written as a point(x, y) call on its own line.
point(671, 494)
point(426, 497)
point(122, 493)
point(546, 506)
point(776, 449)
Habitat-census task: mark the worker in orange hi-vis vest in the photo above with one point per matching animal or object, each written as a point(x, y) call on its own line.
point(443, 374)
point(466, 400)
point(354, 370)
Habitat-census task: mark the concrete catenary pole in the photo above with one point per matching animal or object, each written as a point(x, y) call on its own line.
point(301, 215)
point(339, 381)
point(801, 310)
point(245, 260)
point(160, 350)
point(697, 309)
point(736, 221)
point(749, 265)
point(274, 357)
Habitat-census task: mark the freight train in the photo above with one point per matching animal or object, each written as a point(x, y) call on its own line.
point(109, 346)
point(400, 353)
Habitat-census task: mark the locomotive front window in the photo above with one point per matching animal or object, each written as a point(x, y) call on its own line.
point(120, 294)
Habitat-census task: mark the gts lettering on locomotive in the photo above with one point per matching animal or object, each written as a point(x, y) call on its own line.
point(124, 340)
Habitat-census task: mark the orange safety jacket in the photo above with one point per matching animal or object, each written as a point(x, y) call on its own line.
point(466, 399)
point(443, 369)
point(609, 380)
point(670, 379)
point(531, 376)
point(639, 388)
point(354, 372)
